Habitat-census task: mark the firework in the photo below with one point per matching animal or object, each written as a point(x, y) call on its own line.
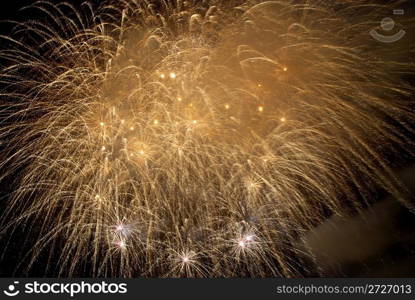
point(195, 138)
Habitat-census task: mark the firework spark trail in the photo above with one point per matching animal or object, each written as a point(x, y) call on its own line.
point(195, 138)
